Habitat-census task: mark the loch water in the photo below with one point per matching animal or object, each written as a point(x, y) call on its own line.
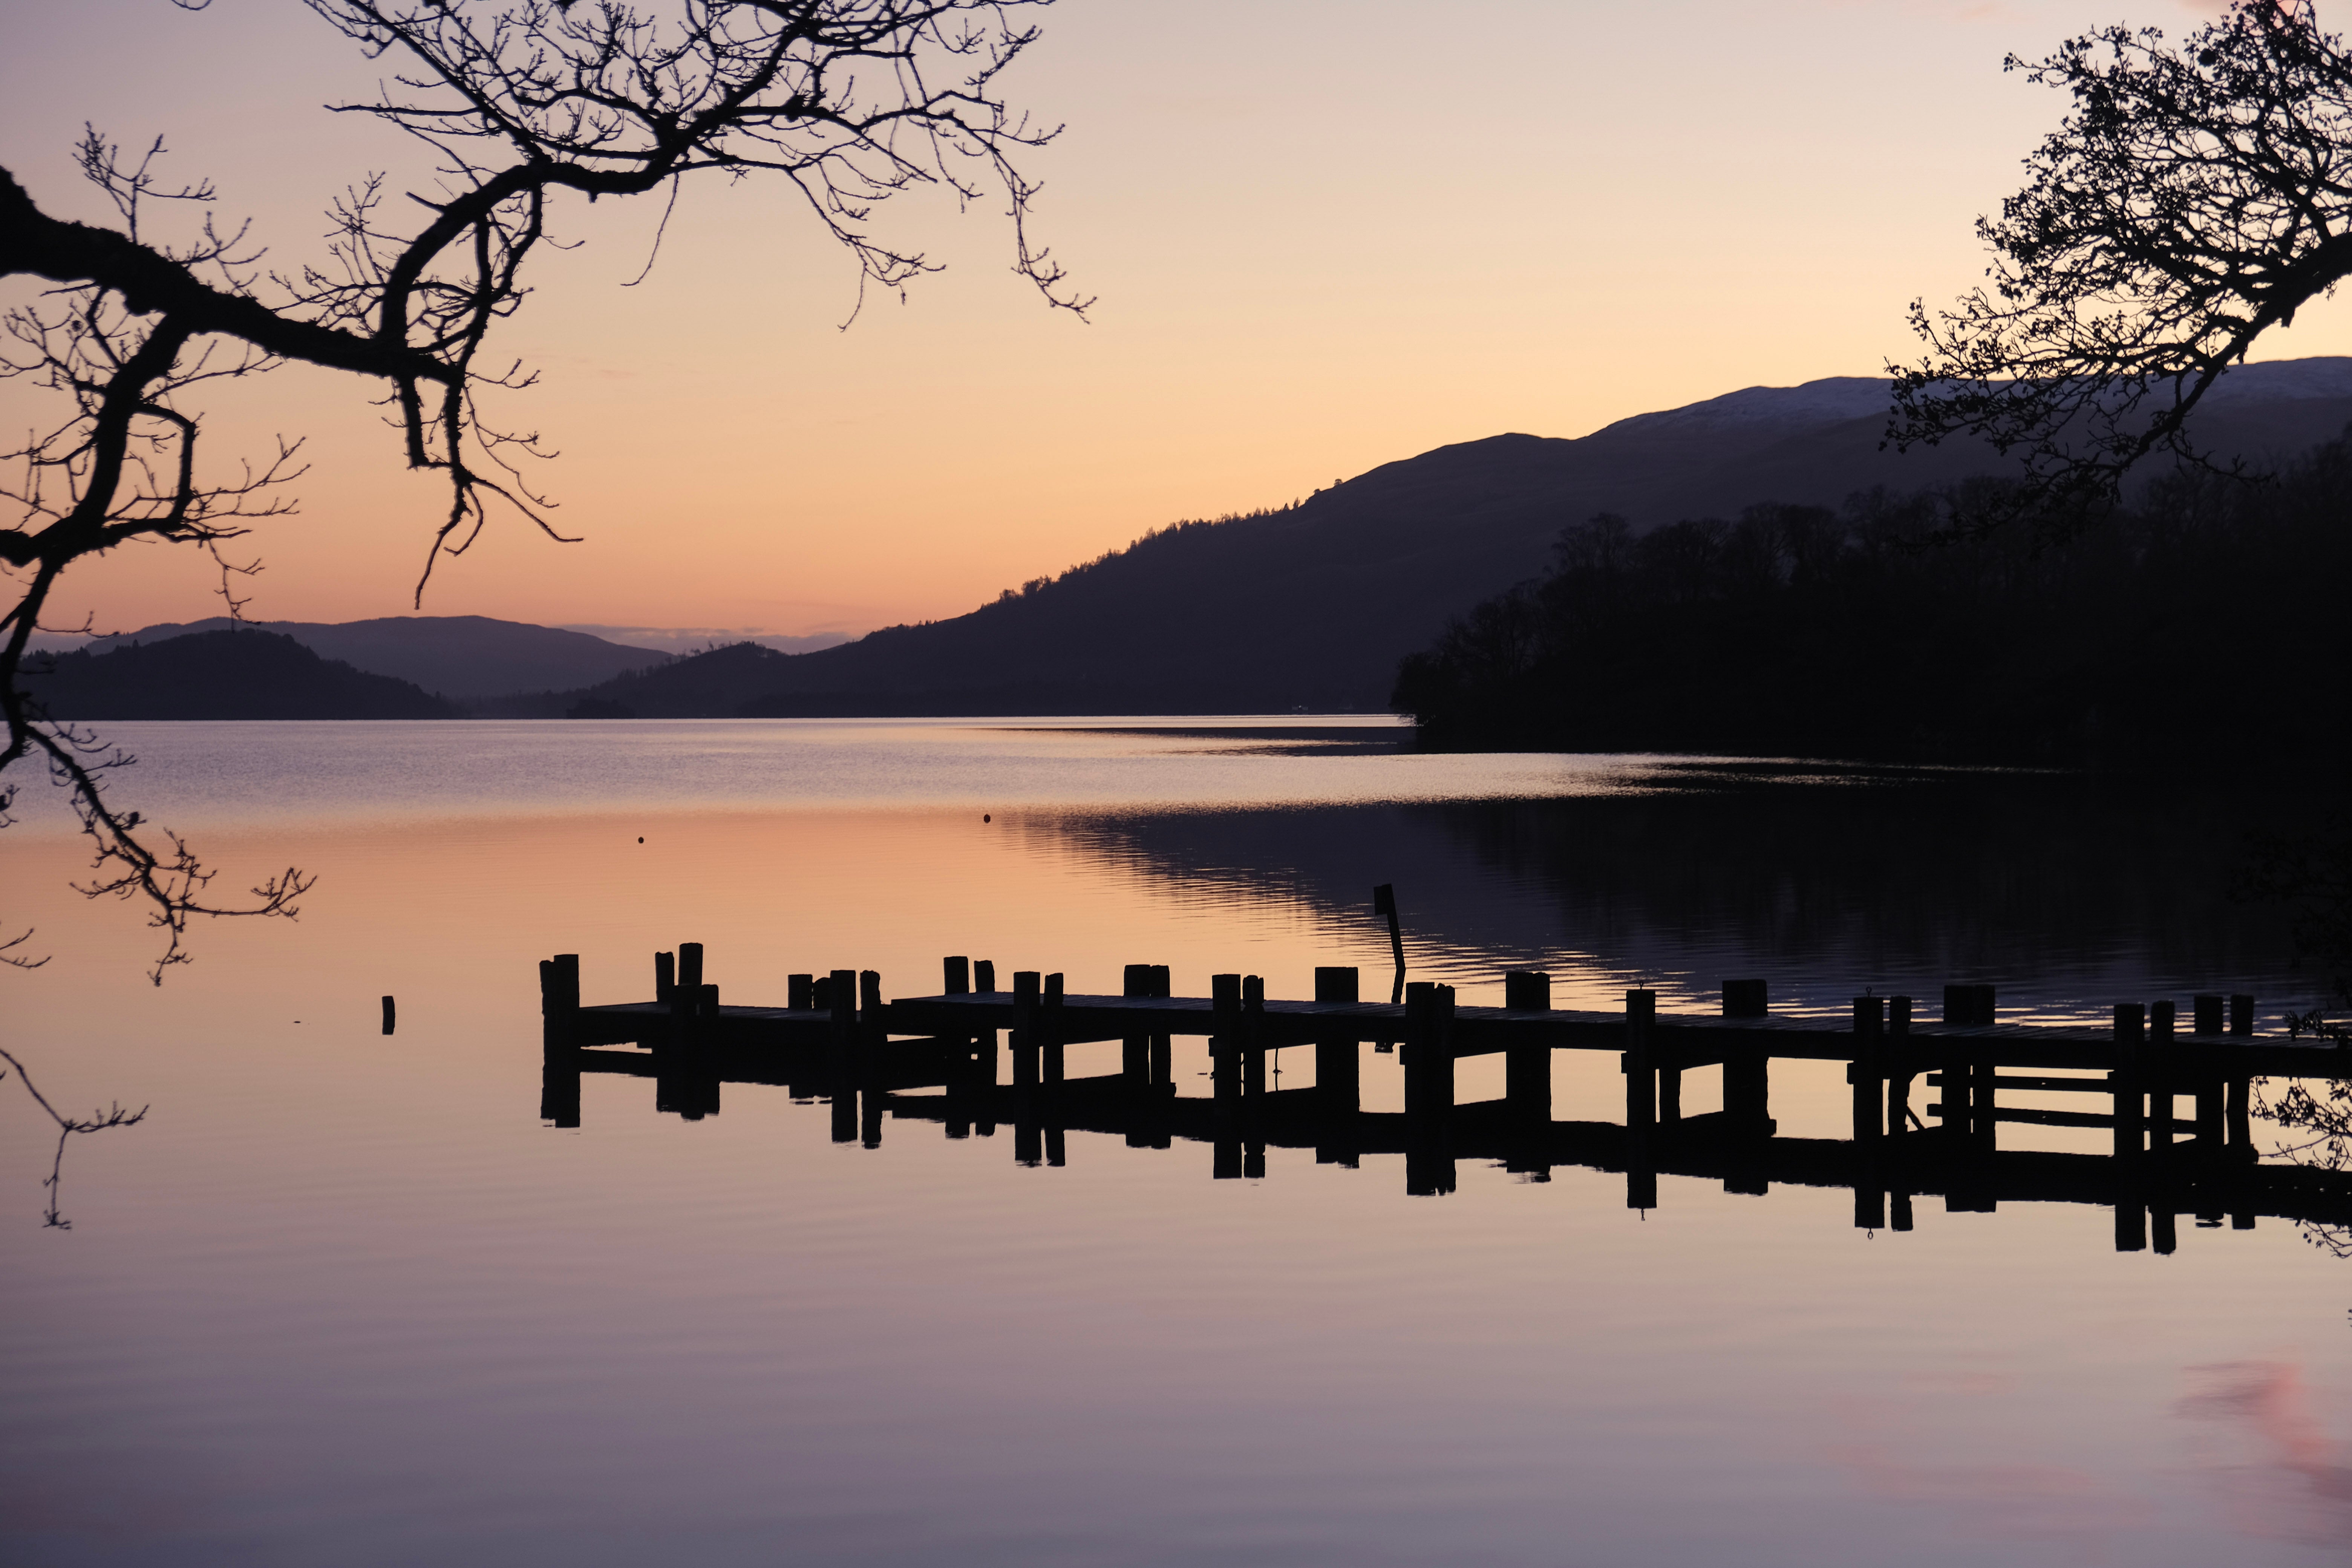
point(343, 1299)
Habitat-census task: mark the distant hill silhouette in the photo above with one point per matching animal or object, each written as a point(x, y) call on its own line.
point(465, 657)
point(221, 675)
point(1312, 605)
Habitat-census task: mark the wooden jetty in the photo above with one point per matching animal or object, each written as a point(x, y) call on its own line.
point(936, 1058)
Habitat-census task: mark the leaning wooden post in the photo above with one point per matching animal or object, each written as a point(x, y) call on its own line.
point(1338, 1080)
point(1866, 1075)
point(800, 992)
point(2131, 1213)
point(665, 976)
point(1642, 1099)
point(1226, 1069)
point(1527, 1078)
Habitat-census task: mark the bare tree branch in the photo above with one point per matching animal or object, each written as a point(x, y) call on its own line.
point(523, 103)
point(2193, 198)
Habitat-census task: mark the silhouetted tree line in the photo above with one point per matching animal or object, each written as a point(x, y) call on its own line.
point(2200, 628)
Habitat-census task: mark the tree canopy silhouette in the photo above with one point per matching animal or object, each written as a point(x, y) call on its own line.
point(846, 102)
point(2194, 198)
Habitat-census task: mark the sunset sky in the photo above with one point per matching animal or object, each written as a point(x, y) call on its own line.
point(1324, 237)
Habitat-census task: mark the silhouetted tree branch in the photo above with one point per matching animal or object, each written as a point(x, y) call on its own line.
point(2193, 198)
point(848, 102)
point(96, 1121)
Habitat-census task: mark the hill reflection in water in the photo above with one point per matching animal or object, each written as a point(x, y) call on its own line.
point(2067, 895)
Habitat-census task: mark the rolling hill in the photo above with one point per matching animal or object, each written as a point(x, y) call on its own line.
point(245, 674)
point(1312, 605)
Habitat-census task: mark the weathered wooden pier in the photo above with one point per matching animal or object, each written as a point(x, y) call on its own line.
point(936, 1058)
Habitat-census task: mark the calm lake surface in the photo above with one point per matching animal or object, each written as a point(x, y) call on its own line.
point(345, 1299)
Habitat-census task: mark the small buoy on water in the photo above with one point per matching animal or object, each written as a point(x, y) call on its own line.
point(641, 838)
point(985, 817)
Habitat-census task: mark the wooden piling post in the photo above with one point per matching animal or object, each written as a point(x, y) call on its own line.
point(390, 1015)
point(665, 976)
point(1338, 1073)
point(800, 992)
point(1051, 1031)
point(558, 1008)
point(1642, 1099)
point(1252, 1036)
point(1428, 1063)
point(1866, 1073)
point(1163, 1047)
point(1225, 1072)
point(1135, 1051)
point(559, 1087)
point(1028, 1129)
point(2207, 1014)
point(2239, 1111)
point(689, 965)
point(873, 1056)
point(841, 1000)
point(1746, 999)
point(1898, 1065)
point(559, 1002)
point(1027, 989)
point(2130, 1088)
point(1747, 1091)
point(983, 977)
point(956, 978)
point(2131, 1210)
point(1527, 1079)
